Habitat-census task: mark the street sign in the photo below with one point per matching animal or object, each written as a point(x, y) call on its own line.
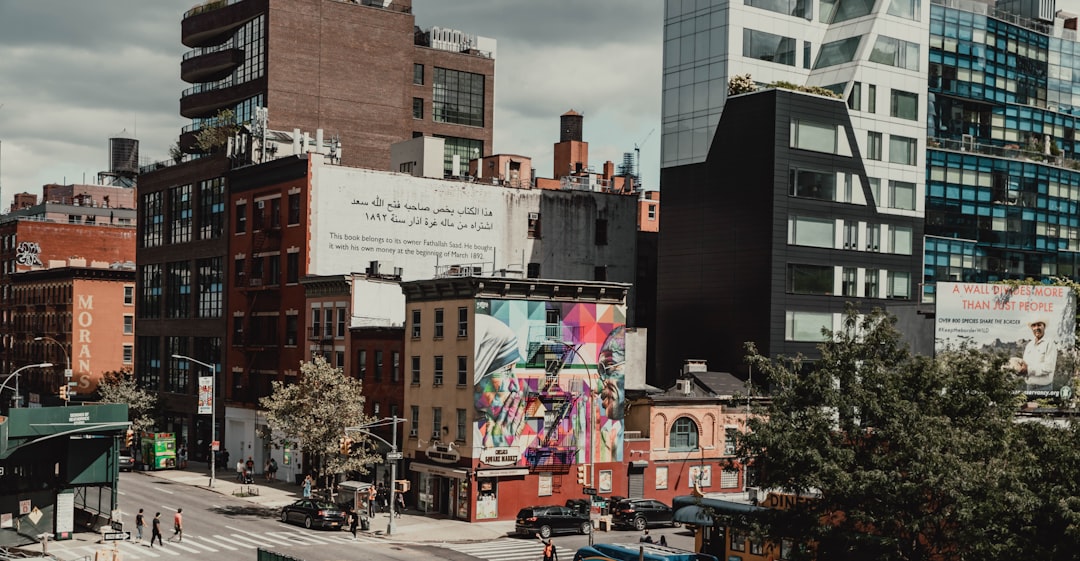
point(115, 536)
point(589, 490)
point(391, 456)
point(72, 384)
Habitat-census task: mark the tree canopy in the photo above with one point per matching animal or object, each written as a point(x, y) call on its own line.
point(314, 412)
point(122, 387)
point(909, 457)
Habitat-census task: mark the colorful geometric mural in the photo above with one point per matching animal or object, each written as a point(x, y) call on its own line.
point(548, 381)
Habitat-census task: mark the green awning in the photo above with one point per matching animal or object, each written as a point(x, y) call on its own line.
point(700, 510)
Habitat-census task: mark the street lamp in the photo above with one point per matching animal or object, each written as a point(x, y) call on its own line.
point(592, 423)
point(67, 357)
point(15, 374)
point(393, 456)
point(213, 411)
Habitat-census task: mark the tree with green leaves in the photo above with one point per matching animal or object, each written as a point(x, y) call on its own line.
point(121, 387)
point(314, 412)
point(215, 134)
point(902, 457)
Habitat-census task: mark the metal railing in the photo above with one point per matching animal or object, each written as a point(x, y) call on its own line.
point(977, 7)
point(1011, 151)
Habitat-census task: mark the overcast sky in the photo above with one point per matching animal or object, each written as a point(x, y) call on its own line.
point(75, 73)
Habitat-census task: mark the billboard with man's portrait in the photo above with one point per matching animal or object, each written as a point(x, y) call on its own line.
point(1034, 324)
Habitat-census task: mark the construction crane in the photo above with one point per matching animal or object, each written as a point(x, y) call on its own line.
point(637, 152)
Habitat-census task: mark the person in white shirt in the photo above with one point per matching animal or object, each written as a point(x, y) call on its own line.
point(1040, 358)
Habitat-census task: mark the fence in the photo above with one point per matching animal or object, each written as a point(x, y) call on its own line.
point(265, 555)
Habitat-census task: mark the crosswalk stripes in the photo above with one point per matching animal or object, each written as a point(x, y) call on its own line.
point(501, 550)
point(231, 539)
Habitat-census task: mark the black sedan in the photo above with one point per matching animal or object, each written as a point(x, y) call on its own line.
point(547, 520)
point(641, 513)
point(313, 514)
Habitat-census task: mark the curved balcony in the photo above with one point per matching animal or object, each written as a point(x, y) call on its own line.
point(211, 66)
point(214, 22)
point(205, 100)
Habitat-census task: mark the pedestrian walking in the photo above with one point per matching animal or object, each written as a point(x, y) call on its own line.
point(178, 526)
point(549, 549)
point(354, 521)
point(266, 470)
point(307, 486)
point(663, 540)
point(239, 471)
point(250, 465)
point(273, 469)
point(155, 531)
point(400, 504)
point(182, 454)
point(140, 523)
point(372, 494)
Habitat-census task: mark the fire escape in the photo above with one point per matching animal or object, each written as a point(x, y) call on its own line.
point(555, 448)
point(260, 281)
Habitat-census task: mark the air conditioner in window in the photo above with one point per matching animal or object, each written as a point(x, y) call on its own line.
point(534, 216)
point(412, 433)
point(684, 386)
point(260, 204)
point(753, 494)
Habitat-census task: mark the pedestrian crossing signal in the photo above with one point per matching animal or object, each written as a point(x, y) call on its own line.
point(129, 438)
point(401, 485)
point(345, 443)
point(64, 392)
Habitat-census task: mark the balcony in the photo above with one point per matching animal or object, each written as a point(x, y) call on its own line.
point(214, 22)
point(210, 65)
point(204, 100)
point(550, 459)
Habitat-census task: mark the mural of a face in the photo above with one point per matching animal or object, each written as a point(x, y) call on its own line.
point(497, 394)
point(610, 365)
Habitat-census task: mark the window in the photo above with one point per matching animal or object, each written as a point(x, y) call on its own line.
point(534, 225)
point(652, 212)
point(600, 273)
point(342, 316)
point(178, 293)
point(418, 74)
point(316, 322)
point(819, 137)
point(438, 323)
point(899, 286)
point(871, 98)
point(849, 284)
point(813, 184)
point(438, 371)
point(241, 218)
point(895, 52)
point(533, 271)
point(340, 360)
point(273, 269)
point(294, 208)
point(854, 100)
point(904, 105)
point(684, 435)
point(152, 214)
point(873, 145)
point(601, 231)
point(836, 11)
point(458, 97)
point(902, 150)
point(837, 52)
point(417, 108)
point(378, 365)
point(901, 240)
point(129, 295)
point(292, 268)
point(462, 371)
point(907, 9)
point(768, 47)
point(873, 237)
point(415, 371)
point(210, 286)
point(756, 546)
point(729, 479)
point(806, 326)
point(870, 284)
point(436, 423)
point(416, 324)
point(211, 209)
point(462, 422)
point(797, 8)
point(129, 353)
point(180, 214)
point(361, 364)
point(851, 234)
point(813, 232)
point(810, 279)
point(292, 325)
point(729, 440)
point(902, 195)
point(414, 418)
point(462, 322)
point(395, 366)
point(806, 55)
point(129, 324)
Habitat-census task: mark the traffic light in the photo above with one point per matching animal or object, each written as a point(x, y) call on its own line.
point(64, 392)
point(583, 474)
point(346, 445)
point(401, 485)
point(129, 438)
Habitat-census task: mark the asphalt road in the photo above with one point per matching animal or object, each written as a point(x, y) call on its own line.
point(223, 528)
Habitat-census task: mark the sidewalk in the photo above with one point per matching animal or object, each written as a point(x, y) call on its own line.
point(410, 527)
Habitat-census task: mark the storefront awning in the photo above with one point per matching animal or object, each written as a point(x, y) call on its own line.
point(439, 470)
point(700, 510)
point(639, 464)
point(505, 472)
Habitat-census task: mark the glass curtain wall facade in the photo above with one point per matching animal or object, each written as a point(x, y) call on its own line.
point(1003, 176)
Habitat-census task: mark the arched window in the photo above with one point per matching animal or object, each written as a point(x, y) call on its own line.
point(683, 435)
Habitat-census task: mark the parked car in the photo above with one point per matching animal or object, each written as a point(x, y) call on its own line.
point(641, 513)
point(313, 513)
point(547, 520)
point(127, 461)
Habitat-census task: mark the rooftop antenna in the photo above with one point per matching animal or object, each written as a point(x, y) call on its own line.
point(637, 152)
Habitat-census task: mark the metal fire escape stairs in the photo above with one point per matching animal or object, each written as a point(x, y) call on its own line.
point(264, 235)
point(556, 403)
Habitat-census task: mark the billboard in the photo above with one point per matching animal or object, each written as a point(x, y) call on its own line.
point(1034, 324)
